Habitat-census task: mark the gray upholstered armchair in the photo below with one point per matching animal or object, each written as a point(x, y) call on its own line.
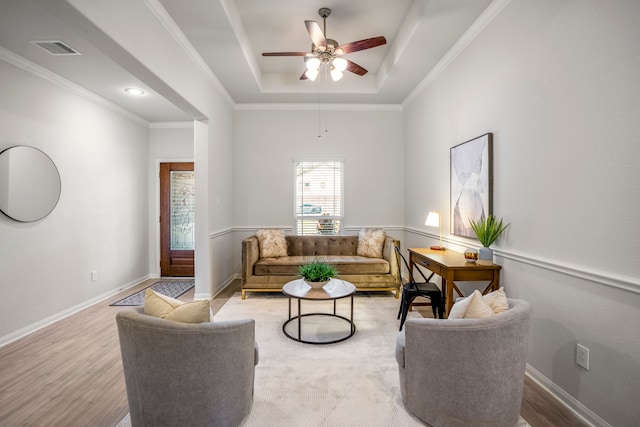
point(180, 374)
point(465, 372)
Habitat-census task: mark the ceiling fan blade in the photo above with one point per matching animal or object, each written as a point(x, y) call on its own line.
point(361, 45)
point(355, 68)
point(304, 76)
point(285, 53)
point(316, 34)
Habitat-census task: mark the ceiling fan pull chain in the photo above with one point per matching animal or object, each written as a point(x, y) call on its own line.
point(326, 119)
point(319, 117)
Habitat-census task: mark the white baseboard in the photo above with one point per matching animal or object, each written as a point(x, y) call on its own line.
point(580, 411)
point(66, 313)
point(207, 295)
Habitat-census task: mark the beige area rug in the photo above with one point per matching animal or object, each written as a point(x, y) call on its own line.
point(351, 383)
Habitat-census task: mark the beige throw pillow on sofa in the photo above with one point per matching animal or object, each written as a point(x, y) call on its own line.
point(272, 243)
point(371, 242)
point(165, 307)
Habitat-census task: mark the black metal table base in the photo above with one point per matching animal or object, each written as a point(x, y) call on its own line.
point(352, 329)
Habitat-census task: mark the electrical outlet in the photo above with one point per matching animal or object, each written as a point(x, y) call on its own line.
point(94, 276)
point(582, 356)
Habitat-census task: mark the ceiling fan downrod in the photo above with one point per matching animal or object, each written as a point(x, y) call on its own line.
point(324, 12)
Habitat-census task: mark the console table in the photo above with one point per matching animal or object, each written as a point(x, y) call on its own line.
point(452, 267)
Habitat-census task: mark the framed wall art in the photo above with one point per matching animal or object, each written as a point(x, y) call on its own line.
point(471, 183)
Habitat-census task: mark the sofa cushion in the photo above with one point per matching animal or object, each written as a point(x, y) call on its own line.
point(371, 242)
point(272, 243)
point(345, 264)
point(164, 307)
point(321, 245)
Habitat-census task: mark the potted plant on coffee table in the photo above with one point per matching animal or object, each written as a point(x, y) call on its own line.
point(487, 230)
point(317, 273)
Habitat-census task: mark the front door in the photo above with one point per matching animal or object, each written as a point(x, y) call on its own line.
point(177, 211)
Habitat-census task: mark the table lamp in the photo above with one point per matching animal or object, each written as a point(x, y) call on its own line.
point(433, 220)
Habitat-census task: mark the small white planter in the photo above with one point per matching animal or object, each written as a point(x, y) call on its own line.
point(316, 285)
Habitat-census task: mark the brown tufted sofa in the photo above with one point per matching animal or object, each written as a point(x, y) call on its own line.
point(367, 274)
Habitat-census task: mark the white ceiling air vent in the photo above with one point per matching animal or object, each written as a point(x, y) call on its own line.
point(56, 47)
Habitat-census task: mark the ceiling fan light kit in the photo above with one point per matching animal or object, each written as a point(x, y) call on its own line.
point(325, 51)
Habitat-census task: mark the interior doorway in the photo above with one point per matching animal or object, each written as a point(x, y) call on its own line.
point(177, 219)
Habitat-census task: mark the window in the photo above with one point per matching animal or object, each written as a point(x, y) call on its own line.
point(318, 197)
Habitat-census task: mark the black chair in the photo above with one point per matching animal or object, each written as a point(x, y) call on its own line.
point(412, 289)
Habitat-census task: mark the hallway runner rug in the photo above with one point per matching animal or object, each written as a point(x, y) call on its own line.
point(171, 289)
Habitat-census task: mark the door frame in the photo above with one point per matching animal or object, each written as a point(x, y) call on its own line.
point(185, 258)
point(154, 215)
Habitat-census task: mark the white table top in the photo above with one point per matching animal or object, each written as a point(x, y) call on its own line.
point(336, 288)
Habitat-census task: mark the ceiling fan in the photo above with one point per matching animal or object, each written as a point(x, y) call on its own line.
point(329, 52)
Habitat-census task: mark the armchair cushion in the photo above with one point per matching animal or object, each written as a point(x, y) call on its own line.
point(272, 243)
point(164, 307)
point(371, 242)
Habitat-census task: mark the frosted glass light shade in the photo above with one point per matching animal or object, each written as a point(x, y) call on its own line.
point(311, 74)
point(336, 74)
point(312, 64)
point(339, 63)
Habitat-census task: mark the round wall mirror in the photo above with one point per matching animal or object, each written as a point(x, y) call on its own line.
point(29, 183)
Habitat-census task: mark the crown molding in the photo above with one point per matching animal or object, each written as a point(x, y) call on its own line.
point(172, 28)
point(472, 32)
point(171, 125)
point(41, 72)
point(316, 106)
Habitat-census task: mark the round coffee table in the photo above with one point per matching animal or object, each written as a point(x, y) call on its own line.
point(332, 291)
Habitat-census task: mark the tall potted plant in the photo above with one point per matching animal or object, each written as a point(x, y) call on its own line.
point(317, 273)
point(487, 230)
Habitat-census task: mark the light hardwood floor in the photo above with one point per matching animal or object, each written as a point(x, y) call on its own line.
point(70, 374)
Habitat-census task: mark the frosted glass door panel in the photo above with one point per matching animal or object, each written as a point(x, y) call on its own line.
point(182, 210)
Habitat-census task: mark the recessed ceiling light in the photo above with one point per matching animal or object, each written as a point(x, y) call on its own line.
point(134, 91)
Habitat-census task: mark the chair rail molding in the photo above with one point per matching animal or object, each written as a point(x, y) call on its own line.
point(606, 278)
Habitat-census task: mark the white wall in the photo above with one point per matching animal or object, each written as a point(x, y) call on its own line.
point(100, 222)
point(171, 142)
point(557, 84)
point(176, 73)
point(266, 142)
point(268, 138)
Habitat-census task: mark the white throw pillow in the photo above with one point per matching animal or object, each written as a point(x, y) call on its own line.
point(472, 307)
point(497, 300)
point(371, 242)
point(459, 308)
point(272, 243)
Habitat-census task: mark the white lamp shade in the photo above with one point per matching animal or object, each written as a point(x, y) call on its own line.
point(433, 219)
point(312, 64)
point(311, 74)
point(336, 74)
point(339, 63)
